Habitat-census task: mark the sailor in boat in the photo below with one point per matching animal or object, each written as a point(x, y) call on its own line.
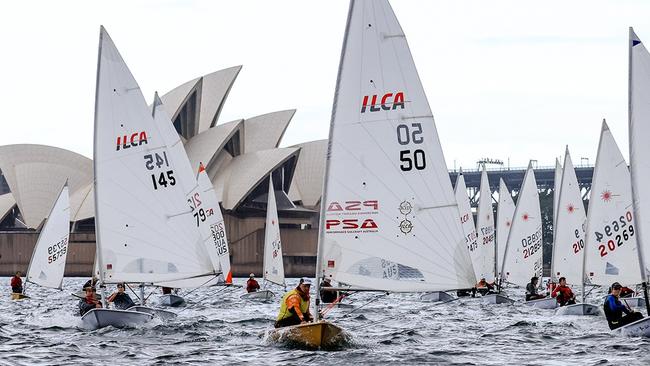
point(90, 283)
point(166, 290)
point(294, 308)
point(120, 299)
point(89, 302)
point(252, 285)
point(531, 290)
point(17, 283)
point(483, 287)
point(563, 294)
point(614, 309)
point(327, 296)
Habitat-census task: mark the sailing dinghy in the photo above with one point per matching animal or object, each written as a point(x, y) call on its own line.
point(569, 239)
point(273, 262)
point(389, 218)
point(639, 129)
point(47, 265)
point(145, 231)
point(523, 254)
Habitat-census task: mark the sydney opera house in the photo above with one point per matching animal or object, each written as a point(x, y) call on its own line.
point(239, 157)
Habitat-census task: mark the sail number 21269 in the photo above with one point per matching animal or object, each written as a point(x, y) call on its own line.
point(412, 158)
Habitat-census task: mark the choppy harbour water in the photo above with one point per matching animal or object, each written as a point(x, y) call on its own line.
point(217, 327)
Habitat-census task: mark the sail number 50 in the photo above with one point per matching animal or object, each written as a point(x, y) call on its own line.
point(411, 159)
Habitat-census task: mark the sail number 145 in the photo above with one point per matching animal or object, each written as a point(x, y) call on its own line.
point(410, 159)
point(163, 178)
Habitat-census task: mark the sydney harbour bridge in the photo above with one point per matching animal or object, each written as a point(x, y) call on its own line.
point(513, 177)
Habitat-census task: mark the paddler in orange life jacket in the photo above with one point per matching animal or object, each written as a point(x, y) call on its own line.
point(251, 284)
point(563, 294)
point(294, 308)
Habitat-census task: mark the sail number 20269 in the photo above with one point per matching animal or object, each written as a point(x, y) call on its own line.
point(163, 178)
point(411, 158)
point(620, 231)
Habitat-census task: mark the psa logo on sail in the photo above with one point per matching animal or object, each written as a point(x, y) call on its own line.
point(352, 217)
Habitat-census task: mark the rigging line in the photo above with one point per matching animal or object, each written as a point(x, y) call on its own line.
point(369, 302)
point(331, 305)
point(201, 285)
point(223, 290)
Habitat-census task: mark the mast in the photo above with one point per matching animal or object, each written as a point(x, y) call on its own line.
point(323, 200)
point(633, 41)
point(98, 252)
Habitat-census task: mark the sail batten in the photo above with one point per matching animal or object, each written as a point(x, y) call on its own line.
point(389, 217)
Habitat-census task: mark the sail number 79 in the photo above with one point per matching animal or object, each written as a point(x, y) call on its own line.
point(411, 158)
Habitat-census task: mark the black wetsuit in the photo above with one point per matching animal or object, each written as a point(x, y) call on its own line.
point(614, 310)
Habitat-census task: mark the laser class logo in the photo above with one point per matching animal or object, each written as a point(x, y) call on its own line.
point(137, 139)
point(389, 101)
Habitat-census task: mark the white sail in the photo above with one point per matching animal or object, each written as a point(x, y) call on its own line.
point(389, 216)
point(611, 247)
point(213, 230)
point(47, 265)
point(145, 231)
point(557, 182)
point(639, 115)
point(273, 263)
point(485, 230)
point(523, 257)
point(467, 219)
point(505, 211)
point(201, 199)
point(569, 234)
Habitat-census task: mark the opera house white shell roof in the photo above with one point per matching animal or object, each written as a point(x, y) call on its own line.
point(238, 155)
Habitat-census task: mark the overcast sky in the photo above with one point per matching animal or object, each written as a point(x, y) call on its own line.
point(505, 80)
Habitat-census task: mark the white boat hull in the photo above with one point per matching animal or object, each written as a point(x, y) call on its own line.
point(159, 313)
point(262, 295)
point(496, 299)
point(546, 303)
point(578, 309)
point(99, 318)
point(640, 328)
point(436, 296)
point(634, 302)
point(171, 300)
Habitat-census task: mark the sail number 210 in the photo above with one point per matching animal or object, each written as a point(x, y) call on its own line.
point(411, 158)
point(163, 178)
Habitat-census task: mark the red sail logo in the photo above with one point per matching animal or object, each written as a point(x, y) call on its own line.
point(388, 101)
point(136, 139)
